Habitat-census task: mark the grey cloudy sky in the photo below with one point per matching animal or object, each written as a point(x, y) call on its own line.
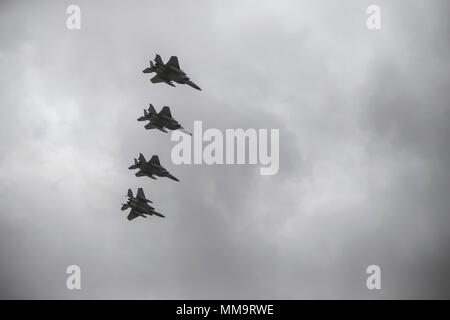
point(364, 128)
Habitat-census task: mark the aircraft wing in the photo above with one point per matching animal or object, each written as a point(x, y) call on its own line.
point(156, 79)
point(166, 111)
point(132, 215)
point(173, 61)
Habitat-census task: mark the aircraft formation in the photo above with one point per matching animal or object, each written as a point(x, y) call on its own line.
point(168, 73)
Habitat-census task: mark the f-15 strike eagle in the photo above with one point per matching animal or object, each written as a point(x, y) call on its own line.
point(139, 205)
point(160, 120)
point(150, 168)
point(168, 72)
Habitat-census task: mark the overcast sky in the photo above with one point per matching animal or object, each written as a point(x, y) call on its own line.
point(364, 123)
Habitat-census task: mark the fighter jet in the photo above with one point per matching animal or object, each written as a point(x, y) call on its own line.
point(139, 205)
point(160, 120)
point(169, 72)
point(150, 168)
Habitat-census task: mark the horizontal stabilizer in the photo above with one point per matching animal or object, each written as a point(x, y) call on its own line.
point(150, 69)
point(134, 166)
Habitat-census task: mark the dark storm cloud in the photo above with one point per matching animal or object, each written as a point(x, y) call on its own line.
point(363, 129)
